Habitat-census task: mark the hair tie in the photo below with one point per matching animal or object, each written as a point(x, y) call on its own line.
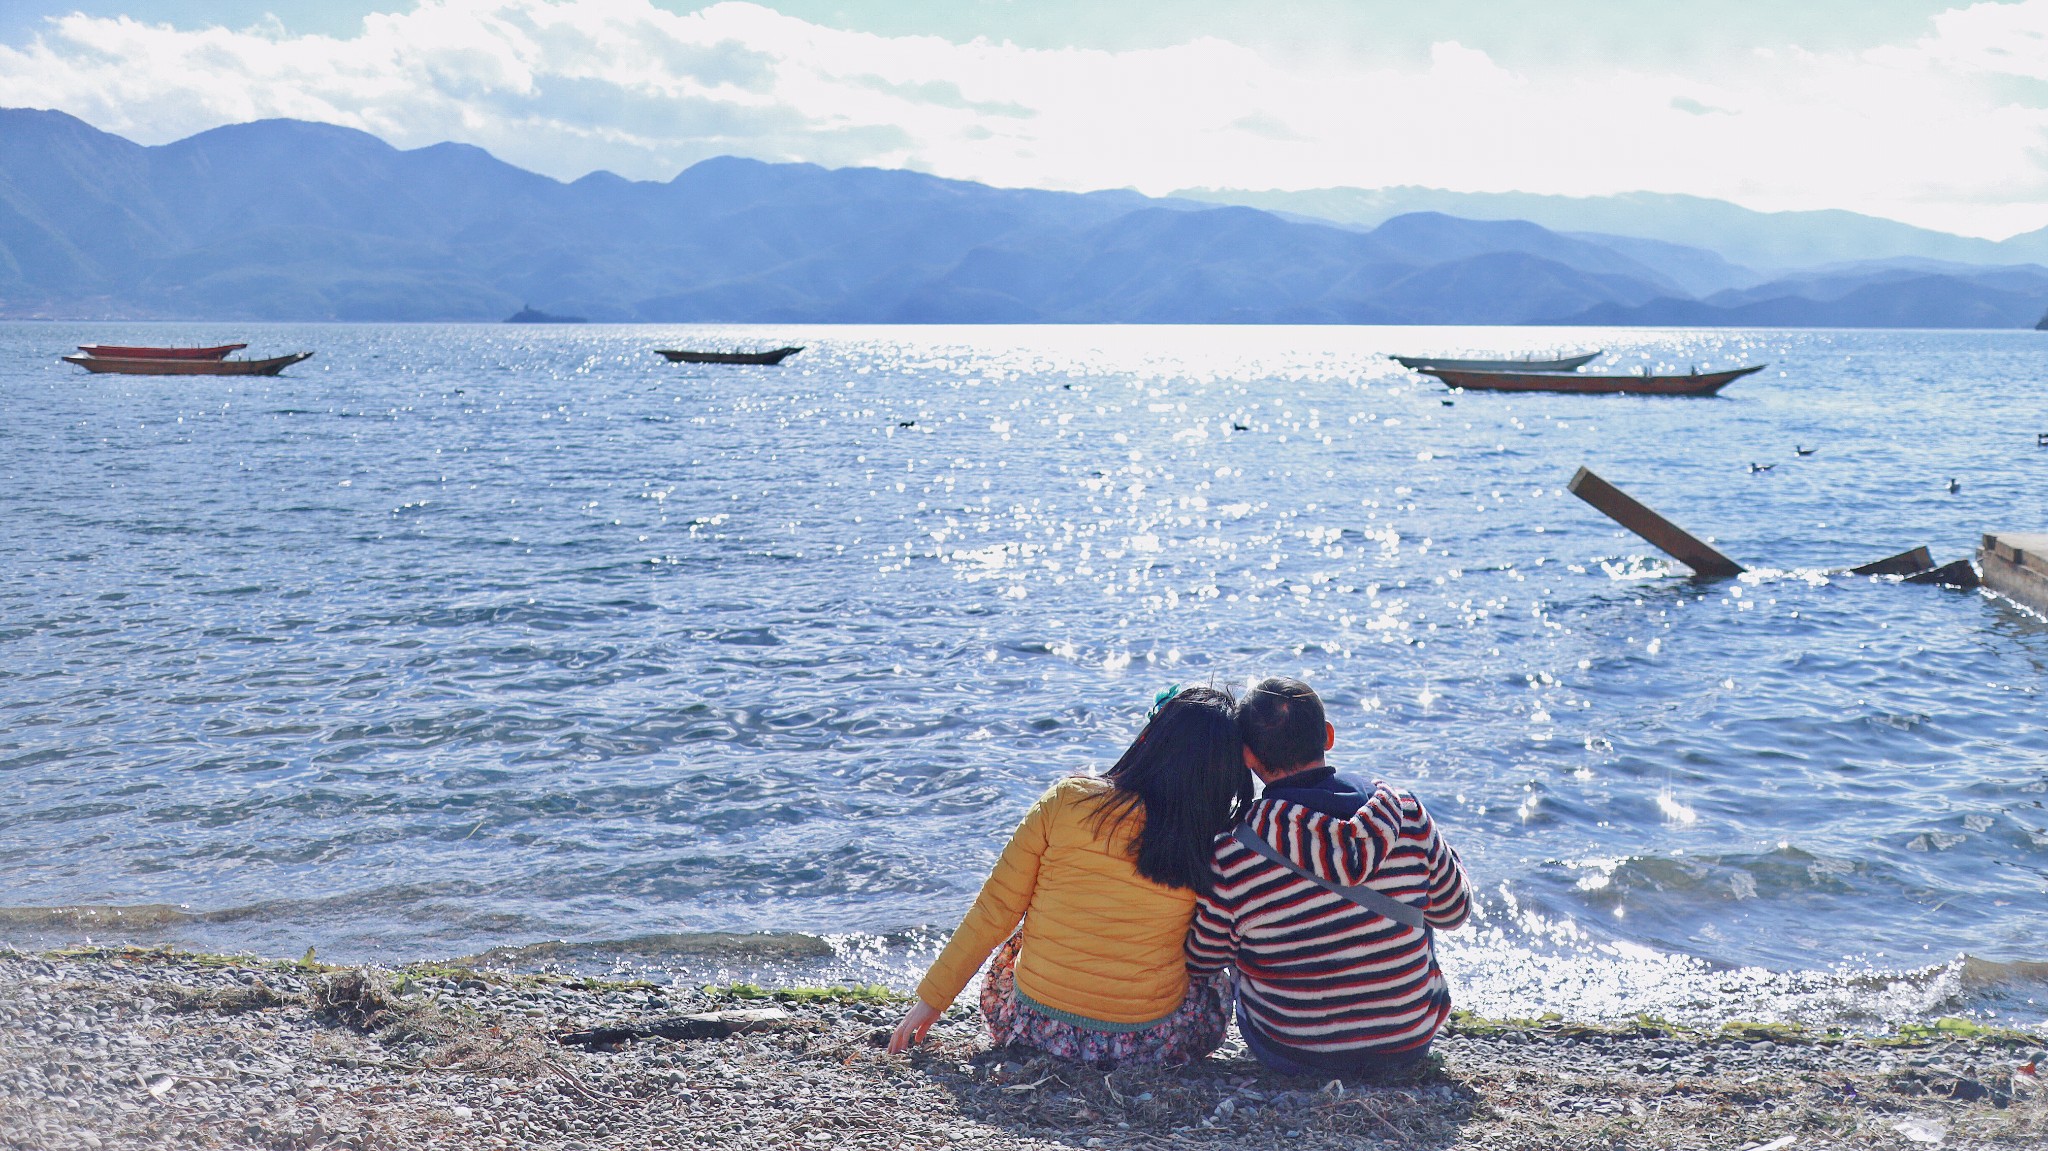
point(1161, 700)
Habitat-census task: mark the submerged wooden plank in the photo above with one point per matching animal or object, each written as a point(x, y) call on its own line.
point(1959, 575)
point(1910, 563)
point(2016, 566)
point(1662, 534)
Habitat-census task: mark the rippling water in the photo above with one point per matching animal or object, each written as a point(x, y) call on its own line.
point(465, 637)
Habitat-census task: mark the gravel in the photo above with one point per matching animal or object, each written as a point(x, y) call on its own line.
point(131, 1048)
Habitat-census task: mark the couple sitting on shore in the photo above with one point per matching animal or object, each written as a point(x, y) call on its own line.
point(1140, 893)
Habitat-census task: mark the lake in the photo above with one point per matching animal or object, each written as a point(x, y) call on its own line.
point(465, 639)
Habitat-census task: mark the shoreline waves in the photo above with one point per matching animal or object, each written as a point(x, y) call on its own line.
point(1494, 973)
point(133, 1047)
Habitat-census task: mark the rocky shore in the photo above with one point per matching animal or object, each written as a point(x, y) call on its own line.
point(121, 1048)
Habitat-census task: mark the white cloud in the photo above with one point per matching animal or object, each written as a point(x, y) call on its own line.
point(2008, 39)
point(1947, 130)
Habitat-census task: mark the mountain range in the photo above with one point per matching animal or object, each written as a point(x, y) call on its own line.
point(1771, 242)
point(288, 220)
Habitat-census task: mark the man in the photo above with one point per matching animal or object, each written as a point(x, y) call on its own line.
point(1327, 986)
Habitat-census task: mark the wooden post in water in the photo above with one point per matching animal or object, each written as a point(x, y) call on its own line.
point(1662, 534)
point(2016, 566)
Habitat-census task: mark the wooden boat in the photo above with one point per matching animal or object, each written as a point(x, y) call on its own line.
point(121, 352)
point(1567, 364)
point(1691, 384)
point(124, 366)
point(689, 357)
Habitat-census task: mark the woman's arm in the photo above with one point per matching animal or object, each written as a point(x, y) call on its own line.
point(911, 1031)
point(995, 914)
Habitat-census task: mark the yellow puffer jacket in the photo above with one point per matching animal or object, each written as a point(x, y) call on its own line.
point(1100, 940)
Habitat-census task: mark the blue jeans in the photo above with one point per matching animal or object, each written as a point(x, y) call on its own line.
point(1278, 1058)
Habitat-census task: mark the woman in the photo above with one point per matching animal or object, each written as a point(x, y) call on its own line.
point(1104, 874)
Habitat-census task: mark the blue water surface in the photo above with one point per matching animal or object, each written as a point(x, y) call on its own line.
point(467, 637)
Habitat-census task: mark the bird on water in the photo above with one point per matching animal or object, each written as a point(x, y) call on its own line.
point(1805, 451)
point(1954, 485)
point(1755, 468)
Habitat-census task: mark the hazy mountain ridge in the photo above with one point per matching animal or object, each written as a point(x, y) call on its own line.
point(300, 221)
point(2004, 298)
point(1772, 242)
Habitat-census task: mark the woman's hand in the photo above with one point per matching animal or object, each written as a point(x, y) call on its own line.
point(911, 1031)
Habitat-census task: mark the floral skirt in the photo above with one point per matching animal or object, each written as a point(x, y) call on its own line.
point(1188, 1034)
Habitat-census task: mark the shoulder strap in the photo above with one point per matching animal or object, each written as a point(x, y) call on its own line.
point(1376, 902)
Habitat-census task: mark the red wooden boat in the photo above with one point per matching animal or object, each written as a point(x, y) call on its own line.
point(120, 352)
point(126, 366)
point(1690, 384)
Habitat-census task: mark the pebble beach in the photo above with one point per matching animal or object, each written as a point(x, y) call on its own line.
point(134, 1048)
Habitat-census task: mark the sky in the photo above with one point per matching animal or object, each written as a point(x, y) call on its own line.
point(1931, 113)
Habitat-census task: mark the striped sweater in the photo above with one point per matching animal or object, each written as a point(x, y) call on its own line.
point(1319, 975)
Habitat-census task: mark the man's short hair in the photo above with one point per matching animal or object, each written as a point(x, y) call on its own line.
point(1281, 720)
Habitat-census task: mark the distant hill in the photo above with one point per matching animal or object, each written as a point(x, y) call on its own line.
point(288, 220)
point(528, 314)
point(1770, 241)
point(1901, 297)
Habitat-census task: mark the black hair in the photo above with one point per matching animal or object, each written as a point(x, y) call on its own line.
point(1282, 721)
point(1185, 774)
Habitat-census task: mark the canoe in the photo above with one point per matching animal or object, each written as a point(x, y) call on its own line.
point(121, 352)
point(1567, 364)
point(131, 367)
point(1692, 384)
point(689, 357)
